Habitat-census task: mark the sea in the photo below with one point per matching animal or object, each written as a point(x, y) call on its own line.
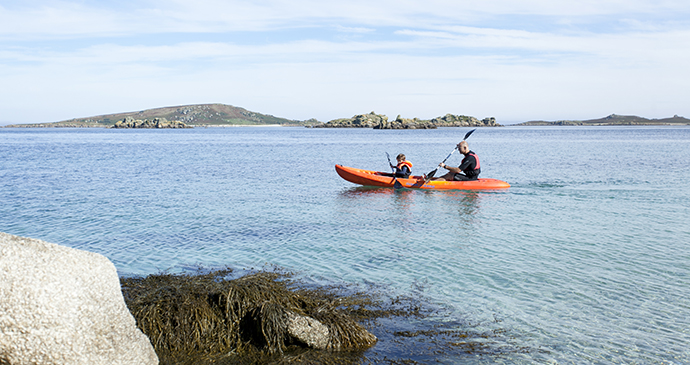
point(585, 259)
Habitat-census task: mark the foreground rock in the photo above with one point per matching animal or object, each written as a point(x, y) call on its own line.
point(130, 122)
point(309, 331)
point(60, 305)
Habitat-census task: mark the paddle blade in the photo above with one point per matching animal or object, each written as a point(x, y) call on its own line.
point(430, 175)
point(469, 134)
point(397, 184)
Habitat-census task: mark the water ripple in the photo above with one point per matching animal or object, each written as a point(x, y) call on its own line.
point(583, 260)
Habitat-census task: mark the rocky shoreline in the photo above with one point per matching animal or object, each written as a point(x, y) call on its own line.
point(68, 306)
point(62, 305)
point(158, 123)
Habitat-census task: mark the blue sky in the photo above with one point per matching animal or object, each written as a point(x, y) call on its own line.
point(300, 59)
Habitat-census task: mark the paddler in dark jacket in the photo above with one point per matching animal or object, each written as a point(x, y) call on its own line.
point(469, 169)
point(403, 168)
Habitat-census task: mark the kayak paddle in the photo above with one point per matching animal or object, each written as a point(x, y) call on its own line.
point(469, 134)
point(432, 173)
point(397, 183)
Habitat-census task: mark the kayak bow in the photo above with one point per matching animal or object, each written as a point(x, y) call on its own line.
point(375, 178)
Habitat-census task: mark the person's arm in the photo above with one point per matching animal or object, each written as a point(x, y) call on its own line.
point(450, 168)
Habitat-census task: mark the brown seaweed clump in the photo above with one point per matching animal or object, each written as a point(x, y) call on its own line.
point(250, 319)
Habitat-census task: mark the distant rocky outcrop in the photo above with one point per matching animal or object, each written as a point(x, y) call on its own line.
point(404, 123)
point(130, 122)
point(450, 120)
point(313, 122)
point(60, 305)
point(379, 121)
point(613, 119)
point(358, 121)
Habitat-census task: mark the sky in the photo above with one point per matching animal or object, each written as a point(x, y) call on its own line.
point(515, 60)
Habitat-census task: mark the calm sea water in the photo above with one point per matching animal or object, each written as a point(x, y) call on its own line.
point(585, 259)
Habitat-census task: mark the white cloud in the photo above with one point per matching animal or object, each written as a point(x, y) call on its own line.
point(302, 59)
point(64, 18)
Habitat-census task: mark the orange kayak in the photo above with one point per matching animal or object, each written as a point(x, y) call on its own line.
point(374, 178)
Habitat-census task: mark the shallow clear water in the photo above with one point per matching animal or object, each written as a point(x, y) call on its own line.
point(585, 259)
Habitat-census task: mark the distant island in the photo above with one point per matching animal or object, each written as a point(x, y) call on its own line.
point(219, 115)
point(613, 119)
point(200, 115)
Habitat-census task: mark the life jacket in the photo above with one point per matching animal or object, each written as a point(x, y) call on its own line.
point(404, 163)
point(476, 159)
point(477, 167)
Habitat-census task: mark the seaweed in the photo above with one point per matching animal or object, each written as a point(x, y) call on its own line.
point(216, 318)
point(207, 316)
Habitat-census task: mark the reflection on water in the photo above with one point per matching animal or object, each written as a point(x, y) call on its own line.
point(373, 190)
point(467, 202)
point(415, 210)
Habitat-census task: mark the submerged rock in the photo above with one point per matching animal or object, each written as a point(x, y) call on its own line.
point(60, 305)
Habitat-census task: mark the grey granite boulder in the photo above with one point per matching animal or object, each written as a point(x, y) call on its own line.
point(60, 305)
point(308, 331)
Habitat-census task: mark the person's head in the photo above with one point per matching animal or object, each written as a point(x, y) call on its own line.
point(463, 147)
point(400, 157)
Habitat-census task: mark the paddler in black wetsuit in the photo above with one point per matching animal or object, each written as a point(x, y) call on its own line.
point(469, 169)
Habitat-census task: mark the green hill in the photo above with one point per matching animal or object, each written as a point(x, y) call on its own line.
point(192, 115)
point(614, 119)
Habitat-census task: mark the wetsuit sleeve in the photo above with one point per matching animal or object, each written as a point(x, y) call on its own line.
point(468, 163)
point(403, 172)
